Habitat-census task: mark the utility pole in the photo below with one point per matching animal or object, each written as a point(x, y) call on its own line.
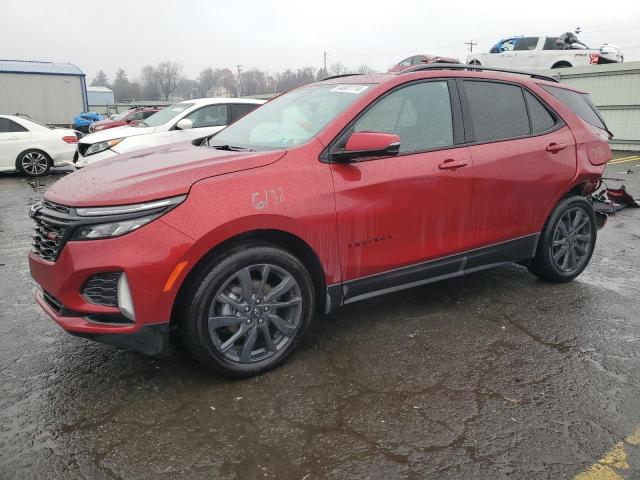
point(325, 64)
point(238, 80)
point(471, 45)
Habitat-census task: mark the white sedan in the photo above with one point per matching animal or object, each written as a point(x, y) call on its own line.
point(179, 122)
point(32, 148)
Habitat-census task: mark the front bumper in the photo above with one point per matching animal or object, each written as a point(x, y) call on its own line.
point(84, 161)
point(147, 256)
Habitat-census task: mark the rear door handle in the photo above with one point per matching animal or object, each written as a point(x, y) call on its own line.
point(556, 147)
point(451, 164)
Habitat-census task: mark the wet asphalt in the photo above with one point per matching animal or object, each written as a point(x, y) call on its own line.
point(495, 375)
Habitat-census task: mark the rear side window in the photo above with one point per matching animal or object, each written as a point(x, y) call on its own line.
point(420, 114)
point(7, 126)
point(550, 43)
point(580, 103)
point(239, 110)
point(497, 110)
point(526, 43)
point(541, 119)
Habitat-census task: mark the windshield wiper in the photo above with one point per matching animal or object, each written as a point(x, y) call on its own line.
point(231, 148)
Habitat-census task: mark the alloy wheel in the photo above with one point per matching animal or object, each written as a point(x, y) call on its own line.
point(571, 242)
point(255, 313)
point(34, 163)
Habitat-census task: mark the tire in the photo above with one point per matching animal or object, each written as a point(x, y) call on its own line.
point(561, 65)
point(567, 241)
point(238, 337)
point(34, 163)
point(475, 62)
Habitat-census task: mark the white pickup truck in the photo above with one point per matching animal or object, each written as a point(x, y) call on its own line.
point(544, 53)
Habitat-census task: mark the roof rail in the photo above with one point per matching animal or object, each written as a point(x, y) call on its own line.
point(340, 76)
point(477, 68)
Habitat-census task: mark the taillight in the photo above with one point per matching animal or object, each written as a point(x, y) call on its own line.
point(593, 58)
point(70, 139)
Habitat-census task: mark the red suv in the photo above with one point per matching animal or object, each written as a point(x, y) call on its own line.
point(332, 193)
point(130, 117)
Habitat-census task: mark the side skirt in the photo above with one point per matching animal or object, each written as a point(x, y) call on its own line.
point(516, 250)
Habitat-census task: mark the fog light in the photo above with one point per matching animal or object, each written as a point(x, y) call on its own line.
point(125, 302)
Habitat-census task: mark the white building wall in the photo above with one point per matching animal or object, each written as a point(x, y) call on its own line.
point(50, 99)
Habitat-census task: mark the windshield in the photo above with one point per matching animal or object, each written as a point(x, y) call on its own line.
point(120, 116)
point(291, 119)
point(165, 115)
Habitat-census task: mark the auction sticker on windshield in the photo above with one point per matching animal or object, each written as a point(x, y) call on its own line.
point(350, 88)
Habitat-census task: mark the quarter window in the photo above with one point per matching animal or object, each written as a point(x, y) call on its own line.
point(541, 119)
point(580, 103)
point(209, 116)
point(497, 110)
point(7, 126)
point(420, 114)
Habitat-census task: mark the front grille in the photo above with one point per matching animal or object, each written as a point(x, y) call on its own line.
point(101, 289)
point(54, 224)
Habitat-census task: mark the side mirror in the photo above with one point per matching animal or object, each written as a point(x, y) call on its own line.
point(368, 144)
point(184, 124)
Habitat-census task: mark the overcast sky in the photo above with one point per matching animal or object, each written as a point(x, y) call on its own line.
point(274, 35)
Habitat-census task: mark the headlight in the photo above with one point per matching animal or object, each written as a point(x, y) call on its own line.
point(113, 229)
point(109, 222)
point(102, 146)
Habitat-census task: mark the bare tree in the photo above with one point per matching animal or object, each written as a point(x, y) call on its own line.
point(150, 86)
point(338, 69)
point(364, 69)
point(168, 74)
point(206, 81)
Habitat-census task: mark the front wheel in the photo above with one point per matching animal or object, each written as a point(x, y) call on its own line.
point(247, 310)
point(34, 163)
point(567, 241)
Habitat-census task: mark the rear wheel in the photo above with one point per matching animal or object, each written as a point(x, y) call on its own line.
point(34, 163)
point(567, 242)
point(248, 309)
point(562, 65)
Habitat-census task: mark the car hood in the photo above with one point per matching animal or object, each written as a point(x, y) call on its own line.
point(151, 174)
point(117, 132)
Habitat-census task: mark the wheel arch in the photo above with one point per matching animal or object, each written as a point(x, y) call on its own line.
point(36, 148)
point(280, 238)
point(562, 64)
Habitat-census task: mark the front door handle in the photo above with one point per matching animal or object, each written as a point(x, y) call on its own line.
point(556, 147)
point(451, 164)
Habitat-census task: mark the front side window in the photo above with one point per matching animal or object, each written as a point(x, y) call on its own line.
point(497, 110)
point(526, 43)
point(7, 126)
point(291, 119)
point(166, 115)
point(209, 116)
point(420, 114)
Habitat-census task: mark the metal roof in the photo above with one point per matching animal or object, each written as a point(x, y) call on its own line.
point(93, 88)
point(50, 68)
